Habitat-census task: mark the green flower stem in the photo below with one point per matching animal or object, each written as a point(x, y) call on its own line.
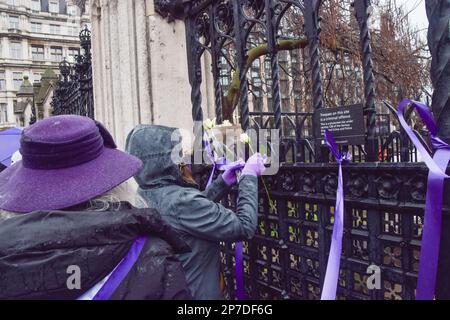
point(271, 205)
point(213, 137)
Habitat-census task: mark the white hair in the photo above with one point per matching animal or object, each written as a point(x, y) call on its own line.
point(125, 192)
point(109, 201)
point(5, 215)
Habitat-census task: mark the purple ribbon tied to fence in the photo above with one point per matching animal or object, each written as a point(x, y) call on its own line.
point(437, 165)
point(334, 259)
point(222, 164)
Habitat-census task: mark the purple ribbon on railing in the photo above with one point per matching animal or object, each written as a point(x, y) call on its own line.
point(429, 254)
point(239, 270)
point(334, 259)
point(222, 164)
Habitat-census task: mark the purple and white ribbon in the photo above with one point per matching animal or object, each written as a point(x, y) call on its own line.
point(334, 259)
point(121, 271)
point(222, 164)
point(429, 254)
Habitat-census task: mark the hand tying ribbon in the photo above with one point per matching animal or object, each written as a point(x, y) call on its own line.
point(437, 165)
point(222, 164)
point(334, 259)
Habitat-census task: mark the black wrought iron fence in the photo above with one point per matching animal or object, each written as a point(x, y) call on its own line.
point(384, 188)
point(74, 93)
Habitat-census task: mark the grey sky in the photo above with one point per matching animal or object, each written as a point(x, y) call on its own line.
point(418, 15)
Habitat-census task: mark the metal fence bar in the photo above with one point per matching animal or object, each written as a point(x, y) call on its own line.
point(241, 52)
point(215, 55)
point(271, 31)
point(195, 28)
point(373, 215)
point(362, 15)
point(312, 31)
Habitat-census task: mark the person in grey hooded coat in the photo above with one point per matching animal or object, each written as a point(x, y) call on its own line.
point(199, 218)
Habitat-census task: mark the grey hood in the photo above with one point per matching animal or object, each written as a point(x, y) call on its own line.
point(153, 145)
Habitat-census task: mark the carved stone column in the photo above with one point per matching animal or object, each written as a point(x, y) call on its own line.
point(140, 67)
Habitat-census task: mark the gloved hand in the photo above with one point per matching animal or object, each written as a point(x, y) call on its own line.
point(254, 166)
point(229, 175)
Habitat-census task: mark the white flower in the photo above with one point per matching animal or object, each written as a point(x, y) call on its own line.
point(245, 138)
point(225, 123)
point(208, 124)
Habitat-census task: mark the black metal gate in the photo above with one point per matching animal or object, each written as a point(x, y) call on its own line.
point(74, 93)
point(384, 186)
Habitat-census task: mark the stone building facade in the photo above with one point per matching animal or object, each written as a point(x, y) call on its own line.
point(140, 68)
point(35, 35)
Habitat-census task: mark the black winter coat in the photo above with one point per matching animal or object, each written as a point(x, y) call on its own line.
point(37, 248)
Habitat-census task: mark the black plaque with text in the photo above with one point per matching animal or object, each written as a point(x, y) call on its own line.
point(345, 123)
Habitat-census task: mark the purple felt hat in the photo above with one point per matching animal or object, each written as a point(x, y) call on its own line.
point(67, 160)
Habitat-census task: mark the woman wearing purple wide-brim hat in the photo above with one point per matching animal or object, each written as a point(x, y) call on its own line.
point(69, 228)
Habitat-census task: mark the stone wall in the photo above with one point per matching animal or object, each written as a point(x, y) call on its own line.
point(140, 68)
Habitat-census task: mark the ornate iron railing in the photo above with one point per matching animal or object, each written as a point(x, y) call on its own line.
point(383, 226)
point(384, 188)
point(74, 93)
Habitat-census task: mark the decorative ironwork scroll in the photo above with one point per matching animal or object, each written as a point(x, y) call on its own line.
point(362, 12)
point(74, 94)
